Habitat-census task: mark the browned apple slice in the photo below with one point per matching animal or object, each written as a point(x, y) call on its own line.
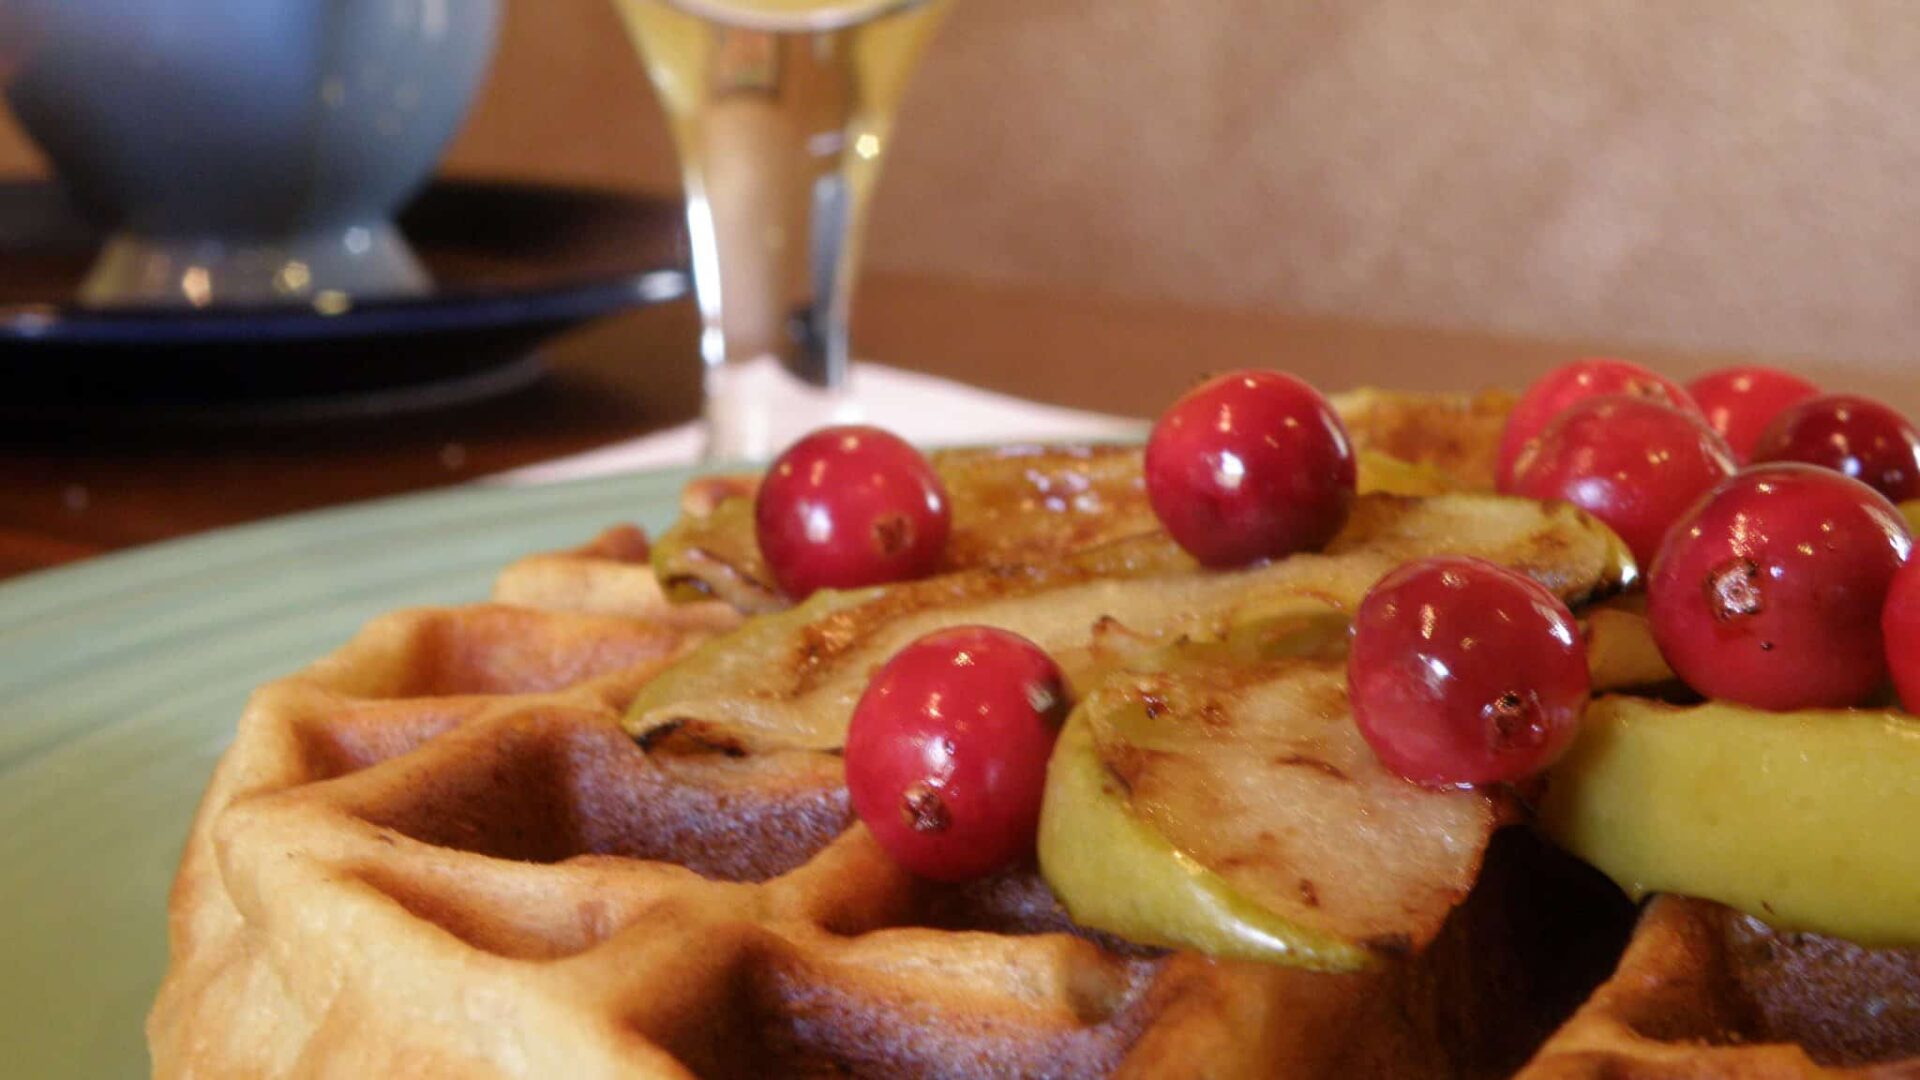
point(1010, 505)
point(1032, 503)
point(1621, 653)
point(1236, 810)
point(790, 679)
point(1453, 435)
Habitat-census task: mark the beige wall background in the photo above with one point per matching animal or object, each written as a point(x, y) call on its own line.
point(1703, 175)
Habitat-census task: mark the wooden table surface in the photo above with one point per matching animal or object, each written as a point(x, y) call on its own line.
point(72, 489)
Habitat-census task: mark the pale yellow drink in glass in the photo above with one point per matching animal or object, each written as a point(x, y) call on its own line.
point(781, 110)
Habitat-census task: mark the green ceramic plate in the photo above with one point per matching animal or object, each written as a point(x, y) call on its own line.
point(122, 679)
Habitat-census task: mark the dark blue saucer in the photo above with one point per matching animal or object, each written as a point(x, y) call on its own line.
point(513, 265)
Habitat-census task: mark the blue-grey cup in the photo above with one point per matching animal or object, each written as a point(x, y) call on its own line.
point(248, 151)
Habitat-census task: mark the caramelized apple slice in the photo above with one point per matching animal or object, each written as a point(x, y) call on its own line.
point(1453, 435)
point(1803, 820)
point(1621, 653)
point(1010, 505)
point(1237, 811)
point(1031, 503)
point(1377, 472)
point(791, 679)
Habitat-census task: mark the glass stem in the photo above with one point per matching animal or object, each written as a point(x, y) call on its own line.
point(780, 110)
point(767, 202)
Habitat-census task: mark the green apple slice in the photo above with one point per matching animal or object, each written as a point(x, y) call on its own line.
point(1803, 820)
point(1237, 811)
point(792, 682)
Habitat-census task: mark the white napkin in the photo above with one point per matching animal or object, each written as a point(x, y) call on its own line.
point(924, 409)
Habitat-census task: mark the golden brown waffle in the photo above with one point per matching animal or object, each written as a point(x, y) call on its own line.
point(436, 853)
point(1704, 991)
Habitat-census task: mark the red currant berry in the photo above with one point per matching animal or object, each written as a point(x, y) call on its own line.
point(1250, 465)
point(1554, 392)
point(1739, 402)
point(1900, 625)
point(1769, 591)
point(1463, 672)
point(850, 506)
point(947, 751)
point(1857, 436)
point(1633, 463)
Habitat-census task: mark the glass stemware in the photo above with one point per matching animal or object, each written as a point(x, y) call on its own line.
point(781, 110)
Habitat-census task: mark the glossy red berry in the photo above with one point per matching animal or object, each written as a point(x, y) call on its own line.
point(1250, 465)
point(1739, 402)
point(850, 506)
point(1900, 626)
point(1557, 390)
point(1631, 462)
point(947, 750)
point(1463, 672)
point(1769, 591)
point(1854, 435)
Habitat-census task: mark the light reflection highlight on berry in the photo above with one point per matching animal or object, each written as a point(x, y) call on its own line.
point(1229, 471)
point(939, 754)
point(819, 524)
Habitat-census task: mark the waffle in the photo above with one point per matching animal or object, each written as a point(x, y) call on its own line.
point(436, 852)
